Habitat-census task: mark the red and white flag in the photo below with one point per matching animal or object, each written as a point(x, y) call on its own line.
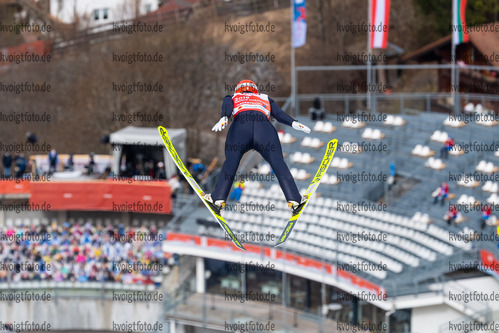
point(380, 14)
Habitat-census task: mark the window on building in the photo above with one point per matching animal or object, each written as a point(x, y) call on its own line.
point(148, 8)
point(96, 14)
point(105, 13)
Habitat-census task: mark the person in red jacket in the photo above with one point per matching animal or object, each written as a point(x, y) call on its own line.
point(449, 143)
point(451, 214)
point(442, 194)
point(486, 211)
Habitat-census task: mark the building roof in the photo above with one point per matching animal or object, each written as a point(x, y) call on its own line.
point(487, 42)
point(132, 135)
point(427, 48)
point(482, 37)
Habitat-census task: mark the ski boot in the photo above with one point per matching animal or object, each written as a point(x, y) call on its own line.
point(215, 206)
point(297, 207)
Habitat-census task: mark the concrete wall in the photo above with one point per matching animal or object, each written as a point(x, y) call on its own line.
point(428, 319)
point(84, 314)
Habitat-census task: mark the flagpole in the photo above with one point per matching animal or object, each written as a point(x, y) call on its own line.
point(453, 56)
point(293, 73)
point(368, 93)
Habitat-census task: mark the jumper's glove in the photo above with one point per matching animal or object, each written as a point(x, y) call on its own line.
point(299, 126)
point(220, 125)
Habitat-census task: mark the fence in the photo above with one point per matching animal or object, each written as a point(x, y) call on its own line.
point(381, 98)
point(206, 310)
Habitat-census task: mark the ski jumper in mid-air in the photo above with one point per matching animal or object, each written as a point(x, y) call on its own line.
point(251, 129)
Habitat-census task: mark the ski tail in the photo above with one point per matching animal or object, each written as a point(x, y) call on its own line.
point(326, 161)
point(178, 161)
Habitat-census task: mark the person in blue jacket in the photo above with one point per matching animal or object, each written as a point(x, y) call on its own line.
point(251, 129)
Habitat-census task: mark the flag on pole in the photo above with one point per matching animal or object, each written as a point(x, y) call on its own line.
point(299, 27)
point(459, 31)
point(380, 14)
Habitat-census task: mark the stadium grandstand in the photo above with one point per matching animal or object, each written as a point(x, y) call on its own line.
point(101, 232)
point(343, 236)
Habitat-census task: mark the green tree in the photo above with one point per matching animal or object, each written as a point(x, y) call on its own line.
point(436, 16)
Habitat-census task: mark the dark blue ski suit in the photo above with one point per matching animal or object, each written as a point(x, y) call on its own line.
point(253, 130)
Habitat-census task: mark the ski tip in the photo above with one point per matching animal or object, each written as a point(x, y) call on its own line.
point(333, 143)
point(162, 130)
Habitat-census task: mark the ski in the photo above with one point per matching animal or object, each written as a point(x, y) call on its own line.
point(166, 140)
point(326, 160)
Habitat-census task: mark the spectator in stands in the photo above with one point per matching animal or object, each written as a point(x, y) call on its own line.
point(31, 137)
point(444, 152)
point(70, 165)
point(91, 164)
point(391, 179)
point(451, 214)
point(174, 185)
point(82, 254)
point(441, 193)
point(486, 211)
point(20, 165)
point(136, 172)
point(316, 112)
point(53, 159)
point(160, 173)
point(198, 169)
point(7, 164)
point(33, 169)
point(149, 169)
point(238, 189)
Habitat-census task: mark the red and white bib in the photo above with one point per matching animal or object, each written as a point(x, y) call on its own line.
point(251, 102)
